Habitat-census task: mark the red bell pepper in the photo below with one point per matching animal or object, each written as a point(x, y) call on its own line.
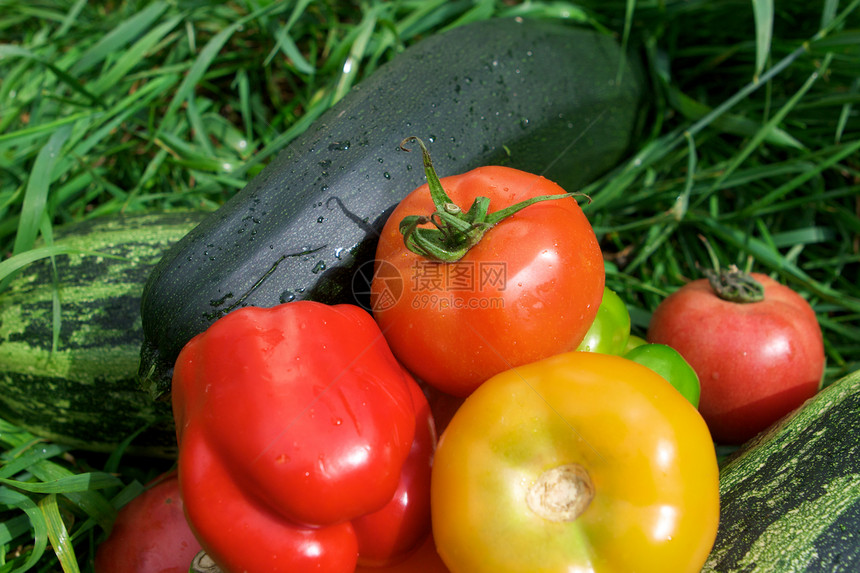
point(303, 444)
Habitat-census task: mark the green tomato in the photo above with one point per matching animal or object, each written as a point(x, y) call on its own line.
point(610, 330)
point(633, 342)
point(668, 363)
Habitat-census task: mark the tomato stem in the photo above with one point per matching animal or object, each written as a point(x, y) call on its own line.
point(562, 493)
point(731, 284)
point(202, 563)
point(735, 285)
point(454, 231)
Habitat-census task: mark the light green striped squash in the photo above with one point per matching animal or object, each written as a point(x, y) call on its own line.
point(790, 501)
point(85, 392)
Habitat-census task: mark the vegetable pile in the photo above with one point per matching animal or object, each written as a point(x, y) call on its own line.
point(302, 432)
point(503, 343)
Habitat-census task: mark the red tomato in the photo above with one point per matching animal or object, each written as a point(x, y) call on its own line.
point(150, 534)
point(529, 289)
point(756, 361)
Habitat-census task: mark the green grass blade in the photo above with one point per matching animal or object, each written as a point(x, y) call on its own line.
point(70, 19)
point(561, 10)
point(36, 131)
point(682, 203)
point(115, 40)
point(629, 11)
point(38, 185)
point(244, 89)
point(830, 22)
point(728, 122)
point(831, 7)
point(425, 16)
point(19, 261)
point(89, 501)
point(56, 319)
point(7, 51)
point(13, 465)
point(748, 90)
point(58, 534)
point(802, 237)
point(198, 69)
point(778, 118)
point(37, 521)
point(763, 13)
point(128, 493)
point(133, 56)
point(482, 10)
point(842, 153)
point(845, 114)
point(67, 484)
point(207, 56)
point(105, 125)
point(13, 528)
point(113, 461)
point(288, 46)
point(201, 134)
point(356, 54)
point(282, 140)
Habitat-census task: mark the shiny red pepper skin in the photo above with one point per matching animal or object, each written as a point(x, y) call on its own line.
point(303, 444)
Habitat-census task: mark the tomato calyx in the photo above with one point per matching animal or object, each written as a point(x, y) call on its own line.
point(734, 285)
point(561, 493)
point(202, 563)
point(454, 230)
point(731, 284)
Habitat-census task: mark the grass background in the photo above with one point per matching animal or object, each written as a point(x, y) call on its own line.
point(753, 143)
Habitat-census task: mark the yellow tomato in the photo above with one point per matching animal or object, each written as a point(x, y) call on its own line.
point(580, 463)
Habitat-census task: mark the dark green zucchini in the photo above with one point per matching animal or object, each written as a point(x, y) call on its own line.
point(790, 500)
point(536, 95)
point(85, 391)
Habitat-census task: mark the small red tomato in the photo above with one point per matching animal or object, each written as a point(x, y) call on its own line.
point(150, 534)
point(756, 361)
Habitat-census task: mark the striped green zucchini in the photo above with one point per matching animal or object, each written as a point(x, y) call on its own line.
point(790, 500)
point(85, 392)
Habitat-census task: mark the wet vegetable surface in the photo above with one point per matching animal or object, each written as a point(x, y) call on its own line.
point(302, 228)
